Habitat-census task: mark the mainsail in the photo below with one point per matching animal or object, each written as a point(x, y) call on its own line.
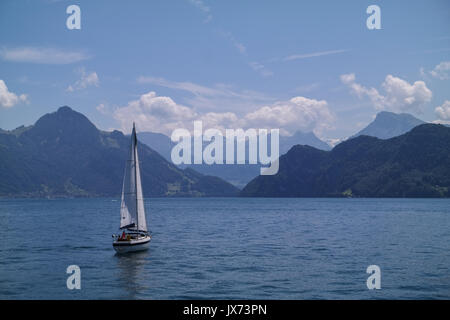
point(132, 213)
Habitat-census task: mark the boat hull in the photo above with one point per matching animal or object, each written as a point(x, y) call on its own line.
point(132, 245)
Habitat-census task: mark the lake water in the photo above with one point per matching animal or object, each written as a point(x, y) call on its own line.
point(229, 248)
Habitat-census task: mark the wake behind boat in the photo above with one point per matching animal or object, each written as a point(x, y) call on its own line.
point(133, 225)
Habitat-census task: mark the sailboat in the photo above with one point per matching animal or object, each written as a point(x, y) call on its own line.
point(133, 226)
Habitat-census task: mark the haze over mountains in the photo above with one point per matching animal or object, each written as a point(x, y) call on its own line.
point(64, 154)
point(163, 144)
point(385, 125)
point(415, 164)
point(238, 174)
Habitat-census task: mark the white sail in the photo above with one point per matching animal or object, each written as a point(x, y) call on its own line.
point(141, 223)
point(132, 212)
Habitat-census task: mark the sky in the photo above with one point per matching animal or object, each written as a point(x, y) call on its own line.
point(292, 65)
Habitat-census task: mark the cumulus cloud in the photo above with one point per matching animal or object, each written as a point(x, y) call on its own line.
point(443, 111)
point(162, 114)
point(9, 99)
point(42, 55)
point(222, 120)
point(154, 113)
point(87, 80)
point(298, 113)
point(441, 71)
point(400, 96)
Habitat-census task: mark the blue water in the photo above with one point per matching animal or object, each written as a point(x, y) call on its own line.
point(229, 248)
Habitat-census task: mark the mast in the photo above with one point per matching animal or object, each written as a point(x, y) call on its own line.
point(135, 176)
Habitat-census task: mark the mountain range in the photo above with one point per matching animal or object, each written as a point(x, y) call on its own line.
point(385, 125)
point(64, 154)
point(238, 174)
point(163, 144)
point(415, 164)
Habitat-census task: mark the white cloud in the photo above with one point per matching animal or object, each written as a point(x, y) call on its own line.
point(221, 121)
point(255, 66)
point(307, 88)
point(438, 121)
point(238, 45)
point(332, 142)
point(9, 99)
point(193, 88)
point(202, 7)
point(443, 111)
point(313, 54)
point(162, 114)
point(299, 113)
point(42, 55)
point(87, 79)
point(422, 72)
point(102, 108)
point(400, 96)
point(348, 78)
point(212, 98)
point(441, 71)
point(261, 69)
point(154, 113)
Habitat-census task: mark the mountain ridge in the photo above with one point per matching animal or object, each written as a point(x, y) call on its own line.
point(64, 154)
point(414, 164)
point(237, 174)
point(389, 124)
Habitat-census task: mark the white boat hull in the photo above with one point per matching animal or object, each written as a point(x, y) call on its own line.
point(133, 245)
